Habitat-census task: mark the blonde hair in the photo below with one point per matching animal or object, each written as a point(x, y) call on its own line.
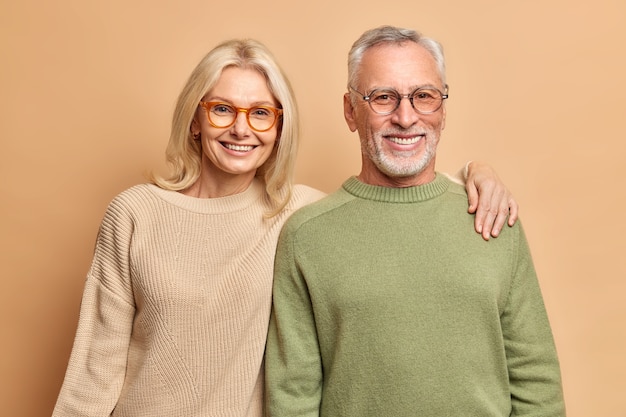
point(184, 154)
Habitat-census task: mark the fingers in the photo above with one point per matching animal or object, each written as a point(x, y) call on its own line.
point(472, 198)
point(492, 211)
point(513, 211)
point(486, 214)
point(488, 196)
point(491, 216)
point(500, 217)
point(484, 224)
point(492, 203)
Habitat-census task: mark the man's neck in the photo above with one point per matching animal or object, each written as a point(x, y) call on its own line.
point(376, 177)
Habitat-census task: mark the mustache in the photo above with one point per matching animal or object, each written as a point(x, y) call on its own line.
point(413, 131)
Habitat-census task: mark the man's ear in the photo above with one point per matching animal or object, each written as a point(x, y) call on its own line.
point(348, 112)
point(443, 121)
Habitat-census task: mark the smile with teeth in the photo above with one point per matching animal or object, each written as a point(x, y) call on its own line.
point(238, 148)
point(404, 141)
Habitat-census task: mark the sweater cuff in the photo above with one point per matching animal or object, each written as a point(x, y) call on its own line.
point(466, 171)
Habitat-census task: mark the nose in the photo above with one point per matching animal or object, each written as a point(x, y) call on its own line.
point(405, 115)
point(240, 128)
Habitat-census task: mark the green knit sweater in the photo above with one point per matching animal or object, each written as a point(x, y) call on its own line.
point(388, 304)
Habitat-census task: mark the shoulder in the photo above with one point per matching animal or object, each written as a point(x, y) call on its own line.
point(138, 197)
point(129, 202)
point(319, 209)
point(303, 195)
point(454, 187)
point(132, 194)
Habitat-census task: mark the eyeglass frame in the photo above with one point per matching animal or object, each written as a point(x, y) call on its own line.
point(367, 97)
point(207, 105)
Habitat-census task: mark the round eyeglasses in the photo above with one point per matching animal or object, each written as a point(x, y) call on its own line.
point(424, 100)
point(223, 115)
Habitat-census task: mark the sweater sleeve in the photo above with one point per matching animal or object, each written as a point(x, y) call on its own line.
point(293, 371)
point(534, 373)
point(97, 364)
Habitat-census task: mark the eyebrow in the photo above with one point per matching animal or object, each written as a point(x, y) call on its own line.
point(413, 88)
point(228, 101)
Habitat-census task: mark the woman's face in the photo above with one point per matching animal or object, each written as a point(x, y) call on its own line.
point(235, 152)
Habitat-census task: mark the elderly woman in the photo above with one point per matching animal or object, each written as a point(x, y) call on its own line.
point(176, 303)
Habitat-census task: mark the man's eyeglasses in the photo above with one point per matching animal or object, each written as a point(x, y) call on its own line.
point(223, 115)
point(424, 100)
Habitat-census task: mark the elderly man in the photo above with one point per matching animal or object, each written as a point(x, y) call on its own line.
point(386, 304)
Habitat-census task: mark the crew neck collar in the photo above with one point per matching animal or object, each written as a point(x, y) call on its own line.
point(397, 195)
point(216, 205)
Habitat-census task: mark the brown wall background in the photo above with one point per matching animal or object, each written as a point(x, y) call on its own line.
point(87, 87)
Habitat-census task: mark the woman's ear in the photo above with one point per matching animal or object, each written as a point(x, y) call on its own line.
point(195, 129)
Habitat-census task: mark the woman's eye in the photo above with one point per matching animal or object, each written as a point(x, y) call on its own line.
point(222, 109)
point(260, 112)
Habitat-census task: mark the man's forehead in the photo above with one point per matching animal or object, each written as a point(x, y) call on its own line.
point(401, 66)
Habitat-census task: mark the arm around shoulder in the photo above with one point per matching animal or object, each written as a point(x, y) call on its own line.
point(489, 198)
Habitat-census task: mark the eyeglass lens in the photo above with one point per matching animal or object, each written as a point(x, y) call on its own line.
point(259, 118)
point(424, 100)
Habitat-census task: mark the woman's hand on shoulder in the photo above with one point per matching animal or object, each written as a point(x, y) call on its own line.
point(490, 200)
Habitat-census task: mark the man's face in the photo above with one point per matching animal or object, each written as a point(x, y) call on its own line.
point(398, 149)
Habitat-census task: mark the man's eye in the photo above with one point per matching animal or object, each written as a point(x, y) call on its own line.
point(425, 95)
point(382, 97)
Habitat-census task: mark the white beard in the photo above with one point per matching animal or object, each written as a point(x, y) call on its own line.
point(400, 163)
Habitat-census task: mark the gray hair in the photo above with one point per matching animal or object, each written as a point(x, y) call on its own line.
point(392, 35)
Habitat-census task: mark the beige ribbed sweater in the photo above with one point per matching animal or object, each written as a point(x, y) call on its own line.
point(175, 309)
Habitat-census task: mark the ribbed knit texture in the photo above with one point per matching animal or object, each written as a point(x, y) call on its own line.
point(174, 314)
point(388, 304)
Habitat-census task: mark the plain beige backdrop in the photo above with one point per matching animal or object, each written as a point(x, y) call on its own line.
point(536, 88)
